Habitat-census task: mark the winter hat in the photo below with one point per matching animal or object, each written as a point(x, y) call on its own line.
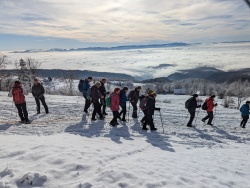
point(90, 78)
point(247, 102)
point(98, 84)
point(150, 92)
point(138, 87)
point(116, 89)
point(195, 95)
point(17, 82)
point(35, 79)
point(125, 88)
point(212, 96)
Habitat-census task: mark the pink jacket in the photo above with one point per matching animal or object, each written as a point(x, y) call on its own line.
point(115, 100)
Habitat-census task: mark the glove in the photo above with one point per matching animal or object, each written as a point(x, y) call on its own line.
point(158, 109)
point(199, 106)
point(215, 104)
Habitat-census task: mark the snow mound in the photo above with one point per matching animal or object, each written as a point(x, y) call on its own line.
point(32, 179)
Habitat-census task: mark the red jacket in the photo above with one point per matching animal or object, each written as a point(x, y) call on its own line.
point(115, 101)
point(17, 93)
point(210, 104)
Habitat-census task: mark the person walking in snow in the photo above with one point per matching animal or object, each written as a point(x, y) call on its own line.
point(115, 101)
point(244, 114)
point(103, 92)
point(210, 106)
point(123, 102)
point(142, 98)
point(38, 92)
point(18, 92)
point(96, 97)
point(191, 106)
point(85, 88)
point(133, 98)
point(149, 112)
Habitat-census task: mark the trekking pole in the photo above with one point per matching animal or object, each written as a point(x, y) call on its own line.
point(214, 114)
point(196, 117)
point(162, 123)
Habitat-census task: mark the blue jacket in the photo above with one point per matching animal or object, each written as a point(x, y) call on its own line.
point(123, 98)
point(245, 110)
point(85, 87)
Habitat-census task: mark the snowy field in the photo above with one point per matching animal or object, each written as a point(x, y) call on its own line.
point(65, 149)
point(143, 63)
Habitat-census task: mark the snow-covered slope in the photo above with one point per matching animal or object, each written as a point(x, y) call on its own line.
point(65, 149)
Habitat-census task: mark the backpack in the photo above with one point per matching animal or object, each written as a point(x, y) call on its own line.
point(108, 101)
point(187, 103)
point(143, 104)
point(18, 96)
point(89, 96)
point(80, 85)
point(204, 106)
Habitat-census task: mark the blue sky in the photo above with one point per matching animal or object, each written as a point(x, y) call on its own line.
point(45, 24)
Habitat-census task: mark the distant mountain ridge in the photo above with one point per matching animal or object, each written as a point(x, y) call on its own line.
point(129, 47)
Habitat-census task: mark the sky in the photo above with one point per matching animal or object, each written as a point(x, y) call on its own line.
point(45, 24)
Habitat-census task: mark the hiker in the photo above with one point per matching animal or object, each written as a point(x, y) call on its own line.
point(38, 92)
point(244, 114)
point(210, 106)
point(103, 92)
point(96, 97)
point(191, 106)
point(115, 101)
point(85, 87)
point(133, 98)
point(142, 102)
point(17, 92)
point(123, 101)
point(149, 112)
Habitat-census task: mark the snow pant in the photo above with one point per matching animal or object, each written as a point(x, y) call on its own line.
point(210, 116)
point(22, 111)
point(103, 105)
point(244, 121)
point(149, 120)
point(87, 104)
point(115, 116)
point(123, 112)
point(134, 114)
point(97, 109)
point(42, 99)
point(192, 115)
point(144, 117)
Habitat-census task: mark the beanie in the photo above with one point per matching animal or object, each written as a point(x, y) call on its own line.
point(125, 88)
point(17, 82)
point(195, 95)
point(116, 89)
point(212, 96)
point(150, 92)
point(247, 102)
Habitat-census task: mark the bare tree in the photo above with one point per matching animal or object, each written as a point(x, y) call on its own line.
point(69, 77)
point(33, 66)
point(3, 61)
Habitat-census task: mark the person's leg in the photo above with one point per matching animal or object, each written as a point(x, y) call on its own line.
point(145, 123)
point(25, 112)
point(211, 116)
point(124, 111)
point(134, 114)
point(207, 117)
point(151, 123)
point(245, 118)
point(192, 115)
point(20, 112)
point(94, 111)
point(37, 105)
point(99, 110)
point(87, 104)
point(44, 104)
point(116, 115)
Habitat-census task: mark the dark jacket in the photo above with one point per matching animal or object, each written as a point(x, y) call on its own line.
point(102, 89)
point(123, 98)
point(245, 110)
point(133, 96)
point(38, 90)
point(95, 94)
point(192, 104)
point(151, 105)
point(85, 87)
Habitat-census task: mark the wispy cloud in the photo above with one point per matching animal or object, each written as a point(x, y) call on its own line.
point(126, 21)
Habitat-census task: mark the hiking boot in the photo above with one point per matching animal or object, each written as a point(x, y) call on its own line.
point(93, 119)
point(27, 122)
point(116, 123)
point(47, 112)
point(145, 128)
point(203, 120)
point(22, 121)
point(189, 125)
point(85, 111)
point(153, 129)
point(210, 124)
point(104, 113)
point(101, 118)
point(123, 120)
point(38, 112)
point(112, 124)
point(244, 127)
